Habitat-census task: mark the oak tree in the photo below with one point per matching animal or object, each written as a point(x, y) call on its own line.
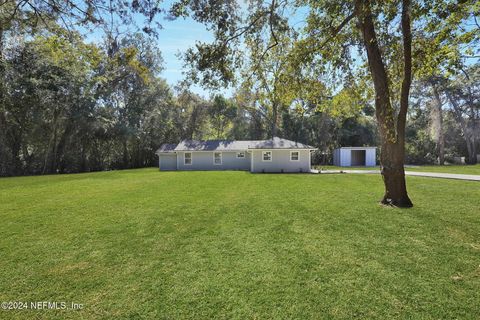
point(339, 38)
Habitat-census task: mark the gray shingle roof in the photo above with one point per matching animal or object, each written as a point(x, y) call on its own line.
point(167, 147)
point(231, 145)
point(211, 145)
point(278, 143)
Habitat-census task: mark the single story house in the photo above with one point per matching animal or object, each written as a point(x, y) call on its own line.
point(274, 155)
point(355, 156)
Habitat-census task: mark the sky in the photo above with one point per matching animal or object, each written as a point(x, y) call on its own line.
point(181, 34)
point(175, 37)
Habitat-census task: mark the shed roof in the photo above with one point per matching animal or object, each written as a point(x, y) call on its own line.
point(357, 148)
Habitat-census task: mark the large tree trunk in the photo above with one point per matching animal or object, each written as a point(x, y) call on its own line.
point(392, 133)
point(392, 161)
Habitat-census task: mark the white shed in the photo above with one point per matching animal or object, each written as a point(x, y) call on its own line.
point(355, 157)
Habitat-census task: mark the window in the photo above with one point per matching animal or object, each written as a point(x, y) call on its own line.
point(187, 158)
point(240, 154)
point(217, 158)
point(294, 156)
point(267, 156)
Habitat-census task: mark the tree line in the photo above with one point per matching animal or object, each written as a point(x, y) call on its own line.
point(73, 106)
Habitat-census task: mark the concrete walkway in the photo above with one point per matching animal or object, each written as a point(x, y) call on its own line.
point(471, 177)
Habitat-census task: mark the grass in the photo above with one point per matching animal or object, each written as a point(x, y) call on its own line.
point(144, 244)
point(460, 169)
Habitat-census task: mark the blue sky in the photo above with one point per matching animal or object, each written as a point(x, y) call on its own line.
point(181, 34)
point(177, 36)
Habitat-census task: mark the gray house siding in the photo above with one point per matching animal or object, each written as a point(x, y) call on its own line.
point(167, 162)
point(172, 156)
point(203, 160)
point(281, 161)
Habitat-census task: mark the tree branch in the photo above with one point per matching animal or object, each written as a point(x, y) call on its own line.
point(272, 32)
point(269, 47)
point(244, 29)
point(333, 33)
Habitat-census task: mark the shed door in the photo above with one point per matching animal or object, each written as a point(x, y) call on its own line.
point(168, 162)
point(358, 157)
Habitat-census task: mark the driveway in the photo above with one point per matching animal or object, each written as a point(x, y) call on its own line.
point(471, 177)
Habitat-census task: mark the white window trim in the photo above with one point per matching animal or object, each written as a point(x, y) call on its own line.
point(298, 152)
point(221, 158)
point(244, 155)
point(184, 159)
point(271, 156)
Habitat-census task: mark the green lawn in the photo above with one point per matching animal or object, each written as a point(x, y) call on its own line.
point(233, 245)
point(461, 169)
